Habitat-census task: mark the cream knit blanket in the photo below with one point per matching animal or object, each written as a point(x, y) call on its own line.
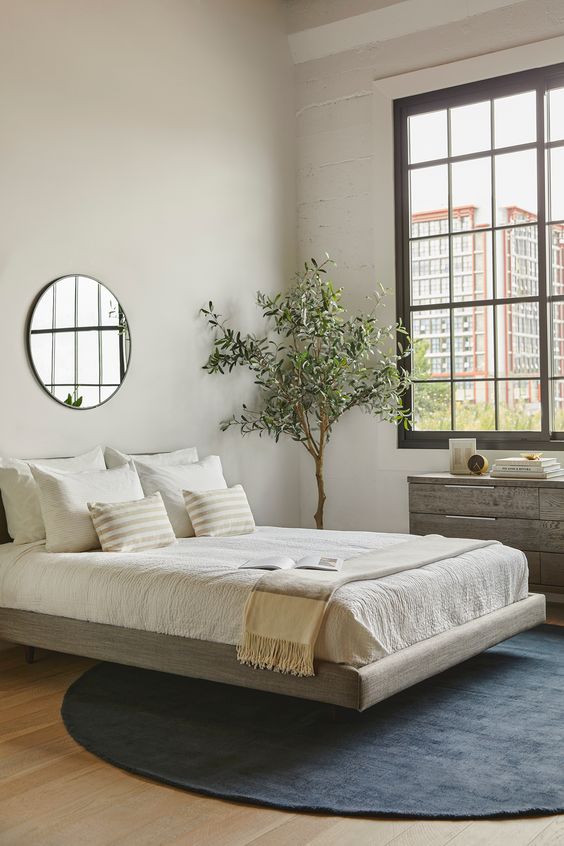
point(285, 610)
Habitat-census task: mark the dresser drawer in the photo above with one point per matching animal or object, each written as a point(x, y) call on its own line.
point(522, 534)
point(480, 500)
point(551, 504)
point(534, 562)
point(551, 536)
point(552, 569)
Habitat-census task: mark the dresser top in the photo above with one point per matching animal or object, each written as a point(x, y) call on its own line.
point(452, 479)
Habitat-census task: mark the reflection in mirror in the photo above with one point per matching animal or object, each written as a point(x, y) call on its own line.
point(79, 341)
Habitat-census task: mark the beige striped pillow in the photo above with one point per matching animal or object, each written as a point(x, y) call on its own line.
point(221, 512)
point(132, 526)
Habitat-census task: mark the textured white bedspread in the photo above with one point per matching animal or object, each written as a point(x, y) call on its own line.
point(193, 589)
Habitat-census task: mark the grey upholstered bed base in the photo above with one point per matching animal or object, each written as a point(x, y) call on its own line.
point(337, 684)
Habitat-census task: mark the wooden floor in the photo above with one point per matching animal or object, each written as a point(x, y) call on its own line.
point(53, 793)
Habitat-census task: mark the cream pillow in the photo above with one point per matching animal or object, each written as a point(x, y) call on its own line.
point(115, 458)
point(132, 526)
point(20, 494)
point(220, 513)
point(64, 501)
point(201, 475)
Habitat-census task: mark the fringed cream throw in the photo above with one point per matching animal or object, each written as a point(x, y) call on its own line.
point(285, 609)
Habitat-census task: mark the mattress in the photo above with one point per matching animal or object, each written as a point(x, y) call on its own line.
point(194, 589)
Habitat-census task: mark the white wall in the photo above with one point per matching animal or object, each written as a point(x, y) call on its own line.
point(345, 207)
point(148, 143)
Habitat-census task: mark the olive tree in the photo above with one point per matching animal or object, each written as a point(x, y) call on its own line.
point(313, 364)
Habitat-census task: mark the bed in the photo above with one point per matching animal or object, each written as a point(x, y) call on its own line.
point(180, 610)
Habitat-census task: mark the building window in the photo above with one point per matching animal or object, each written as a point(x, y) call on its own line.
point(480, 258)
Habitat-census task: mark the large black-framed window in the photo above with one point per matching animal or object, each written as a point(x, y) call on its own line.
point(479, 190)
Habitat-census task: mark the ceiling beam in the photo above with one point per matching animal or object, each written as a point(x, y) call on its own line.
point(385, 24)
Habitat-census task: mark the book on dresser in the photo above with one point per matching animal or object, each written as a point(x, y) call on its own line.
point(526, 468)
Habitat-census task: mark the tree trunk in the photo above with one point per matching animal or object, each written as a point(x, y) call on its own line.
point(320, 492)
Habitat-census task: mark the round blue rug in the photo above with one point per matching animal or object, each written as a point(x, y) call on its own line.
point(484, 739)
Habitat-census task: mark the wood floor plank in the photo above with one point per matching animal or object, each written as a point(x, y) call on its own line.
point(517, 832)
point(552, 835)
point(333, 831)
point(54, 793)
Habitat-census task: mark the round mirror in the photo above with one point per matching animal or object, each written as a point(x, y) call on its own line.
point(78, 341)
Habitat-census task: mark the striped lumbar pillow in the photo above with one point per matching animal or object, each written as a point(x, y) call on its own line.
point(132, 526)
point(220, 512)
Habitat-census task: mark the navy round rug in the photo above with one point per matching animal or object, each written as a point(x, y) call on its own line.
point(483, 739)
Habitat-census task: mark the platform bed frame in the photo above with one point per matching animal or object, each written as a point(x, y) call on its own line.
point(337, 684)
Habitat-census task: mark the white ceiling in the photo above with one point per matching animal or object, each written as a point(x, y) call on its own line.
point(390, 19)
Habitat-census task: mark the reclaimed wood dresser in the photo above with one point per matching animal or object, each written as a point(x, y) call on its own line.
point(525, 513)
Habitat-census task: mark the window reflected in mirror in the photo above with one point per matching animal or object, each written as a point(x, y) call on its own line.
point(79, 341)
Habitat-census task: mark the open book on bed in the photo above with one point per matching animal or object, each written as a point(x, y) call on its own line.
point(283, 562)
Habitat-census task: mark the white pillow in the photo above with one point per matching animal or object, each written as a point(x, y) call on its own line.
point(64, 501)
point(201, 475)
point(115, 458)
point(20, 494)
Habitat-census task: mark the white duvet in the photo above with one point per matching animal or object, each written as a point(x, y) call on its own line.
point(194, 589)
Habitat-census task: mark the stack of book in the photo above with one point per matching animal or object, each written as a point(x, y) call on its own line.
point(526, 468)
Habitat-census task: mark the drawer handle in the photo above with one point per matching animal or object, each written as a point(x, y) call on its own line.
point(466, 517)
point(472, 487)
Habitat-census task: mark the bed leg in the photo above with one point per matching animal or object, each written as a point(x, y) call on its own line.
point(29, 653)
point(338, 714)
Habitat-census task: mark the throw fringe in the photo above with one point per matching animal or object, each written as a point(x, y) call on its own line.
point(270, 653)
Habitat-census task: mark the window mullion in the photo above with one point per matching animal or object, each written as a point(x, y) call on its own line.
point(450, 276)
point(544, 357)
point(494, 268)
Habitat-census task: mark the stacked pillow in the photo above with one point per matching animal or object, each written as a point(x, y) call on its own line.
point(203, 475)
point(20, 493)
point(64, 501)
point(136, 502)
point(132, 526)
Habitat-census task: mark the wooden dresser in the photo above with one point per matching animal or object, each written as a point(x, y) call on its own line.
point(524, 513)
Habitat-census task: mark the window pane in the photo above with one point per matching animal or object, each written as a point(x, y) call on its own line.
point(64, 302)
point(110, 357)
point(517, 270)
point(431, 404)
point(518, 339)
point(429, 271)
point(515, 119)
point(427, 137)
point(516, 187)
point(556, 114)
point(471, 194)
point(557, 330)
point(555, 258)
point(558, 405)
point(43, 312)
point(108, 308)
point(472, 266)
point(430, 331)
point(61, 392)
point(474, 406)
point(88, 366)
point(107, 391)
point(428, 195)
point(472, 338)
point(87, 301)
point(519, 406)
point(556, 210)
point(64, 357)
point(470, 128)
point(41, 347)
point(90, 396)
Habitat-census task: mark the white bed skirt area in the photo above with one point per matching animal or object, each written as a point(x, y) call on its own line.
point(194, 589)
